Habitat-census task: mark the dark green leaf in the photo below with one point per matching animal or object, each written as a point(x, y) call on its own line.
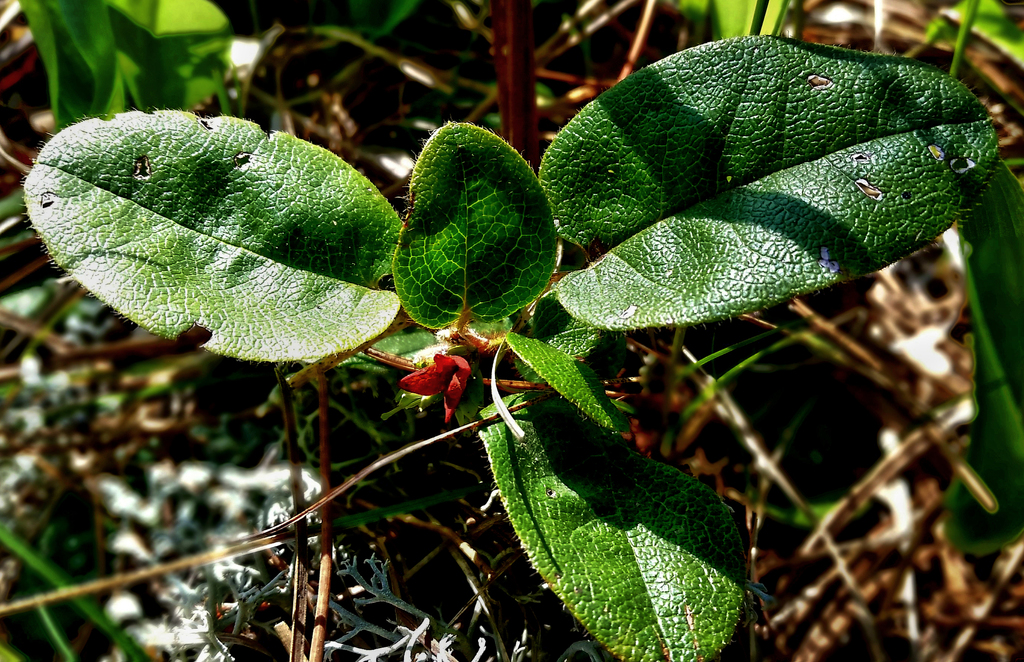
point(719, 191)
point(479, 241)
point(76, 43)
point(574, 380)
point(271, 243)
point(996, 294)
point(603, 351)
point(646, 557)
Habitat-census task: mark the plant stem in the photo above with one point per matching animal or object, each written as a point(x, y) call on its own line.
point(780, 18)
point(643, 29)
point(758, 19)
point(798, 20)
point(257, 541)
point(323, 591)
point(512, 22)
point(298, 643)
point(966, 22)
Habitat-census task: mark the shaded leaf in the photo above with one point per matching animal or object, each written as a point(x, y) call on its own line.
point(703, 193)
point(172, 53)
point(572, 379)
point(603, 351)
point(76, 43)
point(380, 17)
point(996, 295)
point(479, 241)
point(646, 557)
point(271, 243)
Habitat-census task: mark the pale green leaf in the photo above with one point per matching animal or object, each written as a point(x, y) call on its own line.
point(273, 244)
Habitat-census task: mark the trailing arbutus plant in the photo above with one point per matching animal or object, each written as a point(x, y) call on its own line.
point(719, 181)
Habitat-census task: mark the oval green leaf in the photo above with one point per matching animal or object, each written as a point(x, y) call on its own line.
point(479, 242)
point(646, 557)
point(271, 243)
point(571, 378)
point(704, 191)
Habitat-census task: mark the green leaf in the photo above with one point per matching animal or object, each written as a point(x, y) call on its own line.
point(271, 243)
point(646, 557)
point(996, 294)
point(730, 18)
point(574, 380)
point(604, 351)
point(479, 241)
point(76, 43)
point(172, 53)
point(169, 53)
point(718, 192)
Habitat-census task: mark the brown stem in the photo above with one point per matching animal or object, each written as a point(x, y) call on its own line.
point(512, 21)
point(643, 28)
point(299, 606)
point(323, 591)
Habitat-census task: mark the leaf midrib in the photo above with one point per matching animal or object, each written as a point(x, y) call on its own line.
point(737, 183)
point(734, 186)
point(196, 232)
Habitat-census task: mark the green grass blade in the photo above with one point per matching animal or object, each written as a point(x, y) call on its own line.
point(87, 607)
point(58, 639)
point(963, 35)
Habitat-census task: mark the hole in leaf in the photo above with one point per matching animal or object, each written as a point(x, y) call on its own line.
point(819, 82)
point(937, 152)
point(242, 158)
point(550, 492)
point(628, 312)
point(905, 195)
point(47, 199)
point(960, 165)
point(867, 189)
point(861, 158)
point(206, 123)
point(142, 168)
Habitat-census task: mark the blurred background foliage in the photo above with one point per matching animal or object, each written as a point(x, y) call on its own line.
point(121, 451)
